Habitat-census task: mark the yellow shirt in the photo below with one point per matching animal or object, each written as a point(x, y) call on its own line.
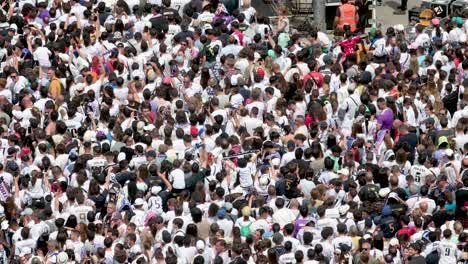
point(55, 88)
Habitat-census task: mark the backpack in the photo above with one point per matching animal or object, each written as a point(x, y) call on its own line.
point(245, 230)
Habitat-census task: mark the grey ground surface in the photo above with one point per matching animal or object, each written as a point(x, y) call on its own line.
point(384, 13)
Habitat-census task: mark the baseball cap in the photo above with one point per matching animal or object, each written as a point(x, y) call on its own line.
point(155, 190)
point(458, 20)
point(228, 206)
point(62, 258)
point(27, 211)
point(221, 213)
point(394, 242)
point(261, 72)
point(343, 210)
point(384, 192)
point(449, 152)
point(194, 131)
point(139, 202)
point(442, 139)
point(5, 225)
point(24, 152)
point(387, 210)
point(344, 171)
point(200, 245)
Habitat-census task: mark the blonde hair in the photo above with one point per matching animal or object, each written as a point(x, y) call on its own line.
point(414, 64)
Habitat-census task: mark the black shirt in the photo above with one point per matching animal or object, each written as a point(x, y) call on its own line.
point(159, 23)
point(290, 189)
point(409, 143)
point(461, 197)
point(441, 217)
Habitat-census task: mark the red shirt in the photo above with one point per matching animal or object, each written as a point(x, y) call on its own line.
point(239, 36)
point(406, 230)
point(348, 45)
point(318, 77)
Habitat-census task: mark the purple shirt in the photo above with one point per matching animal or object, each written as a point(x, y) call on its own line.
point(300, 223)
point(385, 119)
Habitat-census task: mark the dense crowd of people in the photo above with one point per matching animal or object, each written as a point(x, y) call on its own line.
point(132, 132)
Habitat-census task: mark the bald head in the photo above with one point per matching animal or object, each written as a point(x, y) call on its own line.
point(423, 206)
point(394, 181)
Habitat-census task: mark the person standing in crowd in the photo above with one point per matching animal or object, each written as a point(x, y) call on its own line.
point(346, 14)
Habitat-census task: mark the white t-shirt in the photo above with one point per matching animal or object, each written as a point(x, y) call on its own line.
point(283, 217)
point(245, 176)
point(260, 106)
point(177, 178)
point(448, 252)
point(379, 47)
point(419, 173)
point(423, 40)
point(41, 54)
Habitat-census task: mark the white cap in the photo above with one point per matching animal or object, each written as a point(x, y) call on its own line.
point(14, 26)
point(89, 136)
point(139, 202)
point(62, 258)
point(449, 152)
point(344, 171)
point(235, 79)
point(394, 242)
point(34, 168)
point(140, 125)
point(64, 57)
point(155, 190)
point(200, 245)
point(121, 156)
point(384, 192)
point(263, 181)
point(5, 225)
point(275, 162)
point(393, 195)
point(149, 127)
point(343, 209)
